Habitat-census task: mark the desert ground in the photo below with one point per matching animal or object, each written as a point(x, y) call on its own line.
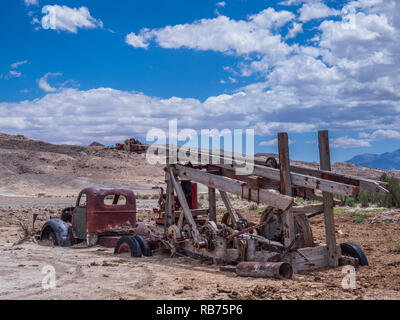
point(96, 273)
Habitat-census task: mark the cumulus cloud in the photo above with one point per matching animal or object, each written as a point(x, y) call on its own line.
point(44, 84)
point(346, 78)
point(222, 34)
point(221, 4)
point(63, 18)
point(137, 41)
point(347, 143)
point(316, 10)
point(296, 29)
point(380, 134)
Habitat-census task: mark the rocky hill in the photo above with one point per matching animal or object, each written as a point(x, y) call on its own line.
point(29, 167)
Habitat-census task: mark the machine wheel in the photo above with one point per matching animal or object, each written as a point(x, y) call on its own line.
point(354, 251)
point(144, 246)
point(273, 230)
point(128, 244)
point(271, 162)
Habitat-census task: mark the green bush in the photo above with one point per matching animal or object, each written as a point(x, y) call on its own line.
point(253, 207)
point(364, 198)
point(350, 202)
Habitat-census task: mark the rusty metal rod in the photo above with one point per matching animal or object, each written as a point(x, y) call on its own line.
point(230, 237)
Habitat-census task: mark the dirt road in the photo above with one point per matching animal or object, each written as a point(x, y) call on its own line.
point(95, 273)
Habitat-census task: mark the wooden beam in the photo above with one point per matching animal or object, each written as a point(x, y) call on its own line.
point(229, 207)
point(325, 164)
point(212, 204)
point(267, 197)
point(184, 204)
point(300, 180)
point(286, 187)
point(311, 209)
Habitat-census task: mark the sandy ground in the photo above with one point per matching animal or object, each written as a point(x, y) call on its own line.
point(95, 273)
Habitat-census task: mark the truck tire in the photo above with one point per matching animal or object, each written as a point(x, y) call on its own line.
point(354, 251)
point(53, 238)
point(128, 244)
point(144, 245)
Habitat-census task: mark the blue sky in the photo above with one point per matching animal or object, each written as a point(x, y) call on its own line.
point(79, 71)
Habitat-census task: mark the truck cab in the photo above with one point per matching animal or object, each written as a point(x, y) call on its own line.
point(100, 215)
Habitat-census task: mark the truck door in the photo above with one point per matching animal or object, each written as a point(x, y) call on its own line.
point(79, 217)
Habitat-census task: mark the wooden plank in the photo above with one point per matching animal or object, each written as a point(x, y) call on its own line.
point(325, 164)
point(316, 258)
point(184, 204)
point(229, 207)
point(235, 187)
point(212, 204)
point(311, 209)
point(286, 187)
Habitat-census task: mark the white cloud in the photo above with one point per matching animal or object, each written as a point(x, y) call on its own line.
point(273, 142)
point(44, 84)
point(15, 65)
point(31, 2)
point(15, 74)
point(63, 18)
point(222, 34)
point(221, 4)
point(347, 143)
point(291, 2)
point(316, 10)
point(295, 30)
point(136, 41)
point(380, 134)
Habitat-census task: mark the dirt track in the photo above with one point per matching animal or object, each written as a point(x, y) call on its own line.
point(95, 273)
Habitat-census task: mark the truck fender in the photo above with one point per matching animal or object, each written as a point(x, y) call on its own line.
point(61, 230)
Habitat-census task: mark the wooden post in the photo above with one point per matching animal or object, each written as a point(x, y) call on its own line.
point(169, 216)
point(286, 186)
point(325, 164)
point(212, 204)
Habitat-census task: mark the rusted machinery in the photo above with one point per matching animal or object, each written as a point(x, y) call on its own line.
point(282, 241)
point(276, 246)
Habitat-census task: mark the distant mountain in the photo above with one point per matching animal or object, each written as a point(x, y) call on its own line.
point(385, 161)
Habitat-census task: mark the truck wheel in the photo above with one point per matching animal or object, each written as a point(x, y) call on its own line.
point(128, 244)
point(354, 251)
point(52, 238)
point(144, 245)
